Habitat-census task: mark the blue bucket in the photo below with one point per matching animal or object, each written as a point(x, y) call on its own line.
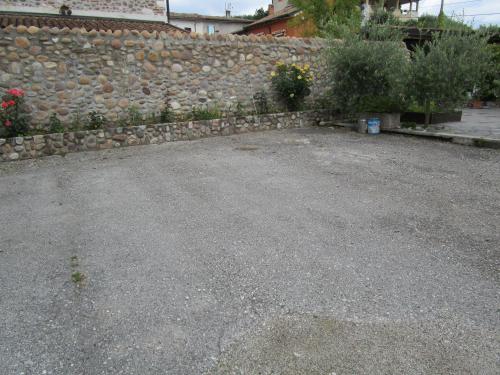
point(373, 126)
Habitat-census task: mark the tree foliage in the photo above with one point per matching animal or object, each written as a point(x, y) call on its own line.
point(323, 16)
point(445, 69)
point(259, 13)
point(369, 75)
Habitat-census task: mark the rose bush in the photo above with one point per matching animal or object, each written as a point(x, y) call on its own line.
point(292, 83)
point(14, 119)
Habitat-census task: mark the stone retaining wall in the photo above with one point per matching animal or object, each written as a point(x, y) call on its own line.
point(73, 72)
point(30, 147)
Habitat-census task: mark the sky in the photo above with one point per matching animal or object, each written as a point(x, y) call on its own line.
point(477, 12)
point(452, 8)
point(217, 7)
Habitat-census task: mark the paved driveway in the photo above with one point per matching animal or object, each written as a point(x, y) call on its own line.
point(294, 252)
point(484, 123)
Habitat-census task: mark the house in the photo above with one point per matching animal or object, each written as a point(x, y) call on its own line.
point(283, 17)
point(113, 15)
point(208, 24)
point(277, 23)
point(145, 10)
point(395, 6)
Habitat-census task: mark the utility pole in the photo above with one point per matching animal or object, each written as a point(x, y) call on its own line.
point(441, 15)
point(168, 10)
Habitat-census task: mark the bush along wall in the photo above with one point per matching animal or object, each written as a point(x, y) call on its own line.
point(74, 72)
point(30, 147)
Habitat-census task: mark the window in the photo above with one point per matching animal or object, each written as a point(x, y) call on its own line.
point(211, 29)
point(188, 29)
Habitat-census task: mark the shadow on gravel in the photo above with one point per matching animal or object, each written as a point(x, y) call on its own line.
point(308, 344)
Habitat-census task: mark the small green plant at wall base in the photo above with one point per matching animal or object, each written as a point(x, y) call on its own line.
point(134, 116)
point(96, 120)
point(14, 118)
point(166, 115)
point(198, 114)
point(261, 102)
point(55, 125)
point(292, 83)
point(240, 109)
point(76, 121)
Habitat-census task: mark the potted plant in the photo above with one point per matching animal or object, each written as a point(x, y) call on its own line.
point(438, 114)
point(384, 108)
point(476, 101)
point(369, 73)
point(443, 70)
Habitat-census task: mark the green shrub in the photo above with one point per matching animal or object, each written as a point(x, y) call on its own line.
point(134, 116)
point(380, 16)
point(445, 69)
point(76, 121)
point(489, 88)
point(427, 21)
point(166, 115)
point(55, 125)
point(96, 120)
point(292, 83)
point(198, 114)
point(369, 75)
point(261, 102)
point(14, 118)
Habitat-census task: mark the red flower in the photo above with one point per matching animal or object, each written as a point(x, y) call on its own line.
point(8, 123)
point(4, 105)
point(16, 92)
point(11, 102)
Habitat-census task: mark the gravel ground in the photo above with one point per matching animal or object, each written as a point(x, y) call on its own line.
point(309, 251)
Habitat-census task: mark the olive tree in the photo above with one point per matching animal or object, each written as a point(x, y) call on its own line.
point(369, 71)
point(445, 69)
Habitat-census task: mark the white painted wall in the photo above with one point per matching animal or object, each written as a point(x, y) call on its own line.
point(201, 26)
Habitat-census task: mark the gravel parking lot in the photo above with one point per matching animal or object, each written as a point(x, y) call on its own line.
point(307, 251)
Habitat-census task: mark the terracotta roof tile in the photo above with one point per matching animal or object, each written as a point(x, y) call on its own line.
point(88, 23)
point(286, 12)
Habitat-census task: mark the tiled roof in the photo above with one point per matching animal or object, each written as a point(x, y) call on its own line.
point(286, 12)
point(88, 23)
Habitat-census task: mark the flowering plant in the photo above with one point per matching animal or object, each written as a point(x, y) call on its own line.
point(13, 115)
point(292, 83)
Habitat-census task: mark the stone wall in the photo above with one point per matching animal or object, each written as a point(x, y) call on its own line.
point(72, 72)
point(88, 7)
point(62, 143)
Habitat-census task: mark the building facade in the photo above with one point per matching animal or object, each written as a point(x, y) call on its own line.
point(198, 23)
point(278, 22)
point(147, 10)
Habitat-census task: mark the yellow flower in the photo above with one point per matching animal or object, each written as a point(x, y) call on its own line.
point(273, 74)
point(292, 95)
point(306, 67)
point(299, 77)
point(279, 63)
